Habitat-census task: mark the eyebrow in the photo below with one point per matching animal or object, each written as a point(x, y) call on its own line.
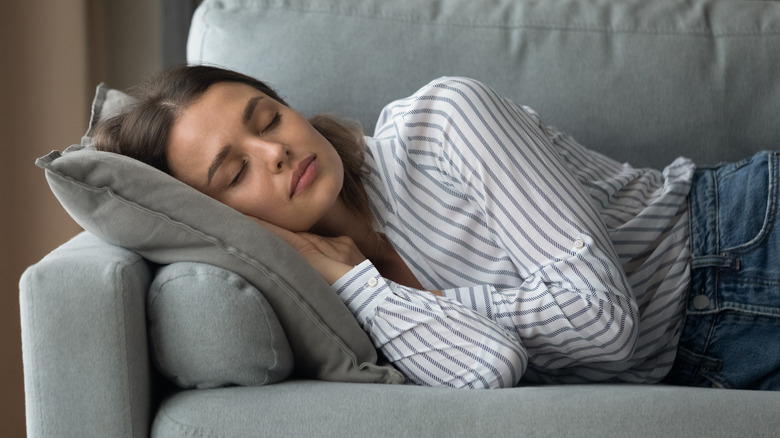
point(249, 109)
point(218, 160)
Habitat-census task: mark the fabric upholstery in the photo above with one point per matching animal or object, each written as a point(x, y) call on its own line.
point(412, 411)
point(84, 341)
point(642, 81)
point(208, 328)
point(107, 102)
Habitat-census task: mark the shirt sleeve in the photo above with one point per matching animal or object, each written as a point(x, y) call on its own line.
point(433, 340)
point(574, 303)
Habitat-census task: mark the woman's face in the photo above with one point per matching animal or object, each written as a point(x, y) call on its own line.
point(256, 155)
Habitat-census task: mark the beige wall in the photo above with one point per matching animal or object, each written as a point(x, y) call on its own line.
point(50, 60)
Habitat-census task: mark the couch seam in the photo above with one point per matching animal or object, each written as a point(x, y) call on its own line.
point(35, 379)
point(119, 269)
point(118, 286)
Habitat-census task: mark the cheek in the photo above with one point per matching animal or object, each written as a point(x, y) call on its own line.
point(249, 200)
point(336, 163)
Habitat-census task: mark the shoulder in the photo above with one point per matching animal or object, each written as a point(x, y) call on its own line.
point(444, 95)
point(450, 92)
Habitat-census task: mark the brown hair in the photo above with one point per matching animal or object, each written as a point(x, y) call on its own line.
point(142, 132)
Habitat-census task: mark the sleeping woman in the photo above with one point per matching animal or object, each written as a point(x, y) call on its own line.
point(477, 246)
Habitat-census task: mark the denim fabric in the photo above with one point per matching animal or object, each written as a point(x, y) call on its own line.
point(731, 330)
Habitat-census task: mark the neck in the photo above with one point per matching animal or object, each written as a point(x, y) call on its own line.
point(341, 221)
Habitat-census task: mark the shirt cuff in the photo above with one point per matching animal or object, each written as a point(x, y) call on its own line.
point(362, 289)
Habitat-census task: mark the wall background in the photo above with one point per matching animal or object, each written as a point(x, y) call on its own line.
point(52, 55)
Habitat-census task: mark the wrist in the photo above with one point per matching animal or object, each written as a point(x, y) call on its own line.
point(331, 270)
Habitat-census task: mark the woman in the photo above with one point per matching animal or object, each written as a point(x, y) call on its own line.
point(477, 246)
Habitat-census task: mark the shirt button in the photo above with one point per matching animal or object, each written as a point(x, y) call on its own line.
point(579, 244)
point(373, 282)
point(701, 302)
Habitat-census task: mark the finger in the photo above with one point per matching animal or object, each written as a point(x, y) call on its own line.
point(329, 244)
point(293, 239)
point(340, 248)
point(323, 244)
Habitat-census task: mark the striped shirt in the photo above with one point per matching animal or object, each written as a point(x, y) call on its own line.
point(557, 264)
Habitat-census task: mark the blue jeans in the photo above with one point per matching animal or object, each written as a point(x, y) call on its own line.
point(731, 331)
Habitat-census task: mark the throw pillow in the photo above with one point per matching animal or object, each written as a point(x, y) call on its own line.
point(209, 328)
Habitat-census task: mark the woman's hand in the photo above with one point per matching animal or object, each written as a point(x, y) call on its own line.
point(341, 249)
point(331, 257)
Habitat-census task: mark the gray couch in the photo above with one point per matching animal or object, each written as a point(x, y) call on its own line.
point(116, 345)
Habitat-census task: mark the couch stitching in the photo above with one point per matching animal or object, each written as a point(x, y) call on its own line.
point(121, 271)
point(35, 363)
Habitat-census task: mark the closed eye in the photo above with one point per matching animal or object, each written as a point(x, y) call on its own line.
point(239, 174)
point(273, 122)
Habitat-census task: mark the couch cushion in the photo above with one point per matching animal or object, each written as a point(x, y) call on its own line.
point(342, 410)
point(130, 204)
point(208, 328)
point(641, 81)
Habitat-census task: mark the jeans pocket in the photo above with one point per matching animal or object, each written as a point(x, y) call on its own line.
point(714, 378)
point(747, 203)
point(693, 369)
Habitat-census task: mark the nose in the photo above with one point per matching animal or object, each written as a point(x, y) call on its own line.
point(274, 155)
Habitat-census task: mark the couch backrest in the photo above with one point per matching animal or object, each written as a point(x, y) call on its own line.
point(643, 81)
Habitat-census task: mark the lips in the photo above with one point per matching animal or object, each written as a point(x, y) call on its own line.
point(303, 176)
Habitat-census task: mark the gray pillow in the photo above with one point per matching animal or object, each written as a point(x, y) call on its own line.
point(108, 102)
point(210, 328)
point(133, 205)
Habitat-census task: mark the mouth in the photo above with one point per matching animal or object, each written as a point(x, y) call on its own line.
point(303, 175)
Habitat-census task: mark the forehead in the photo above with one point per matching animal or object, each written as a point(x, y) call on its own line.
point(220, 95)
point(204, 127)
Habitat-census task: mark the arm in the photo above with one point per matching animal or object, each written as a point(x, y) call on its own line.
point(572, 302)
point(435, 341)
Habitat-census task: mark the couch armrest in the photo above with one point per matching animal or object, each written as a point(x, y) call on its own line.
point(86, 362)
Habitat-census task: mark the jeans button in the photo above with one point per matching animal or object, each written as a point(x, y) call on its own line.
point(701, 302)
